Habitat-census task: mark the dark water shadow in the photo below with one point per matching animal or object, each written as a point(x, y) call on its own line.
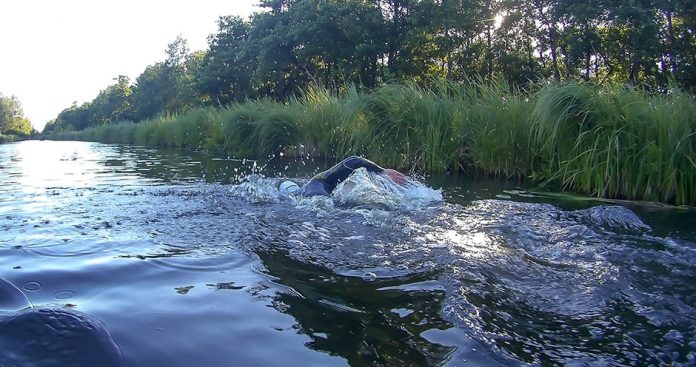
point(369, 323)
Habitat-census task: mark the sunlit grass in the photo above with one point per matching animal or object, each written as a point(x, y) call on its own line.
point(605, 141)
point(327, 122)
point(616, 142)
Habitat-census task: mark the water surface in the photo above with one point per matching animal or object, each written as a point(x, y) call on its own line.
point(139, 256)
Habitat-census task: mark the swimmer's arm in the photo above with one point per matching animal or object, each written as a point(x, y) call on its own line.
point(355, 162)
point(350, 164)
point(343, 169)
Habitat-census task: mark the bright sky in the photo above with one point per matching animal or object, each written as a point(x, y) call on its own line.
point(55, 52)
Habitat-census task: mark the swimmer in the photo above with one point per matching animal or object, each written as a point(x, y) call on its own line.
point(325, 182)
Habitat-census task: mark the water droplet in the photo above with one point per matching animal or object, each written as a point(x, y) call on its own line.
point(32, 286)
point(64, 294)
point(369, 276)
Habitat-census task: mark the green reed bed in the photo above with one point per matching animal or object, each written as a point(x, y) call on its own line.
point(329, 125)
point(494, 123)
point(616, 142)
point(604, 141)
point(411, 127)
point(260, 128)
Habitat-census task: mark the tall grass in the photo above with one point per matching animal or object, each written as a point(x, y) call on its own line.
point(412, 127)
point(329, 123)
point(617, 142)
point(7, 138)
point(259, 128)
point(605, 141)
point(496, 132)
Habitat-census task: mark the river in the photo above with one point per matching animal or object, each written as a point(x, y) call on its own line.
point(132, 256)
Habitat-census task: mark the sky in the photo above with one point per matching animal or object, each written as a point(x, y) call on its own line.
point(56, 52)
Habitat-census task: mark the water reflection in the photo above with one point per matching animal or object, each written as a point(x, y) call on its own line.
point(34, 166)
point(338, 313)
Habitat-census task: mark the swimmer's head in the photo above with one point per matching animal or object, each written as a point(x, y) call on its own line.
point(288, 188)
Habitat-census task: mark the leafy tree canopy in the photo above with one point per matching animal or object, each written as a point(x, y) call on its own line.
point(12, 120)
point(292, 44)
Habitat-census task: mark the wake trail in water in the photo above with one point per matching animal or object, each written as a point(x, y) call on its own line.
point(532, 281)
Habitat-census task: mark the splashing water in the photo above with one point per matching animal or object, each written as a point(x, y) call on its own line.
point(257, 189)
point(507, 266)
point(365, 188)
point(360, 190)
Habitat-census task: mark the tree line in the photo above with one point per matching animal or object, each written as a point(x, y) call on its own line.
point(292, 44)
point(12, 120)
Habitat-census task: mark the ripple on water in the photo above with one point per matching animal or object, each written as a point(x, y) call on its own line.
point(64, 294)
point(528, 279)
point(557, 274)
point(212, 263)
point(32, 286)
point(526, 283)
point(80, 248)
point(157, 321)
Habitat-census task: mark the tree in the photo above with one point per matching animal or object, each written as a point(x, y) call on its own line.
point(295, 43)
point(225, 73)
point(113, 104)
point(580, 37)
point(150, 92)
point(188, 96)
point(271, 47)
point(73, 118)
point(12, 120)
point(337, 42)
point(168, 86)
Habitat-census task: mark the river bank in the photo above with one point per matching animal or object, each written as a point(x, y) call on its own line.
point(611, 142)
point(12, 138)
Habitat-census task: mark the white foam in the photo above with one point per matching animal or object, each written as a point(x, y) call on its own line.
point(257, 189)
point(364, 188)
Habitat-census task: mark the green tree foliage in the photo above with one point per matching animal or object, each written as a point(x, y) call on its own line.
point(225, 73)
point(293, 44)
point(277, 71)
point(329, 47)
point(169, 86)
point(12, 120)
point(152, 88)
point(111, 104)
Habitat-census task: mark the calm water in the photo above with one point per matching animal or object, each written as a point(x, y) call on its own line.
point(132, 256)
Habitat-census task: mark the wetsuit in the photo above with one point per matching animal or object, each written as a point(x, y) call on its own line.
point(324, 183)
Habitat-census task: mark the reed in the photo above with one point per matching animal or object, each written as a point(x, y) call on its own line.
point(259, 128)
point(328, 122)
point(616, 142)
point(406, 126)
point(608, 141)
point(494, 123)
point(8, 138)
